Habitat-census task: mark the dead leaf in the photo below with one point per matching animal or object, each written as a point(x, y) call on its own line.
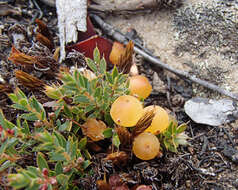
point(94, 129)
point(87, 46)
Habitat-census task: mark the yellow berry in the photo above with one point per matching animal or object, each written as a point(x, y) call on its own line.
point(160, 121)
point(126, 111)
point(140, 86)
point(146, 146)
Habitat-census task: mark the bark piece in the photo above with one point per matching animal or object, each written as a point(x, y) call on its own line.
point(72, 17)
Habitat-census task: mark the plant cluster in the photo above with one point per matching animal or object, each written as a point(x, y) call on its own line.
point(88, 106)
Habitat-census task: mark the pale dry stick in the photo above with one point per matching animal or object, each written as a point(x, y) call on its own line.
point(155, 62)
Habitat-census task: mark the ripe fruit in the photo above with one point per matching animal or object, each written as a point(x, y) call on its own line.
point(126, 111)
point(160, 121)
point(140, 86)
point(146, 146)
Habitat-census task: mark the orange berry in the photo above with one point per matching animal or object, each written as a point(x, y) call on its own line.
point(126, 110)
point(140, 86)
point(160, 121)
point(146, 146)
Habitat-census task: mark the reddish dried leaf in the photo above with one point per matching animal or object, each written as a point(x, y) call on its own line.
point(89, 33)
point(87, 46)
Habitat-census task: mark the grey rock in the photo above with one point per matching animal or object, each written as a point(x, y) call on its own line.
point(211, 112)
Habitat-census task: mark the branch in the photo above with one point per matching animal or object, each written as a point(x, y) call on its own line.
point(155, 62)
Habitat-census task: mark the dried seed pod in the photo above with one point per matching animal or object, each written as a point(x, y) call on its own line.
point(43, 29)
point(146, 146)
point(22, 59)
point(93, 129)
point(144, 122)
point(124, 135)
point(118, 158)
point(126, 111)
point(117, 50)
point(126, 59)
point(45, 41)
point(29, 81)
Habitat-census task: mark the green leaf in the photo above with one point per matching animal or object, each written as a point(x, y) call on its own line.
point(109, 78)
point(56, 156)
point(181, 128)
point(96, 55)
point(103, 66)
point(35, 104)
point(98, 92)
point(6, 165)
point(26, 128)
point(61, 139)
point(91, 64)
point(41, 162)
point(57, 112)
point(89, 108)
point(116, 140)
point(29, 116)
point(67, 111)
point(81, 99)
point(66, 126)
point(58, 168)
point(62, 179)
point(13, 97)
point(20, 94)
point(82, 143)
point(19, 107)
point(18, 181)
point(86, 164)
point(114, 73)
point(107, 133)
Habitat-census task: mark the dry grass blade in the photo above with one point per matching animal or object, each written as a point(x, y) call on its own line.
point(124, 135)
point(29, 81)
point(126, 59)
point(143, 123)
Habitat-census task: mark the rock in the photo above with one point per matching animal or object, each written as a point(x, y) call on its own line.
point(211, 112)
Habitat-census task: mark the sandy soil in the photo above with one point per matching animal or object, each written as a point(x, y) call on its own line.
point(159, 35)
